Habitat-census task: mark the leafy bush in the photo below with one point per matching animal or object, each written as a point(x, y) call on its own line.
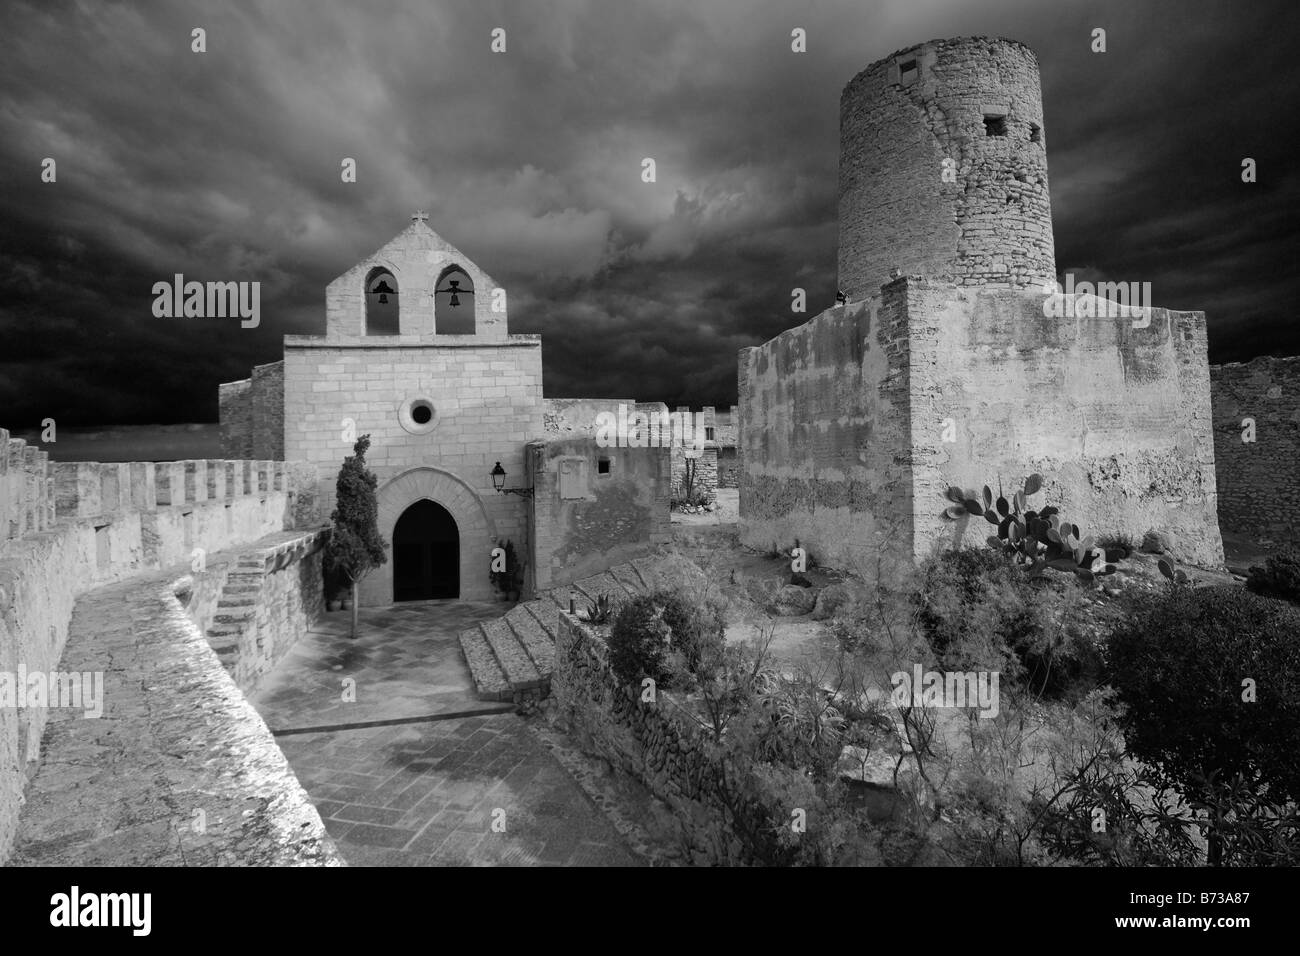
point(978, 611)
point(639, 641)
point(1181, 665)
point(1279, 577)
point(698, 630)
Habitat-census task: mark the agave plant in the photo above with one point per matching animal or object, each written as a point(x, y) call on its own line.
point(599, 611)
point(1039, 538)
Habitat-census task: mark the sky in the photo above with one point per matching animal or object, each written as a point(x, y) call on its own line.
point(225, 165)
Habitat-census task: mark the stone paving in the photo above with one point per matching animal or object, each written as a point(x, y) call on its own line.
point(178, 771)
point(425, 792)
point(428, 795)
point(402, 662)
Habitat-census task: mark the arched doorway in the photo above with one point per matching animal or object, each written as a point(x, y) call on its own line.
point(426, 553)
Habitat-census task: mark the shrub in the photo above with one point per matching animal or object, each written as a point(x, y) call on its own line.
point(639, 641)
point(698, 630)
point(1279, 577)
point(1118, 545)
point(978, 611)
point(1181, 666)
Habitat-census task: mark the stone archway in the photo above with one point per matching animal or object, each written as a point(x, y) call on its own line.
point(475, 529)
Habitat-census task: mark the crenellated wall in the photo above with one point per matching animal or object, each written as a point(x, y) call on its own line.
point(77, 525)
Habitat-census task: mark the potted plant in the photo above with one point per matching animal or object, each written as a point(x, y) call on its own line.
point(507, 571)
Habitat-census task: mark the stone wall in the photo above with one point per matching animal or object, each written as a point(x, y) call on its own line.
point(585, 521)
point(728, 468)
point(1259, 494)
point(26, 489)
point(252, 414)
point(114, 521)
point(854, 424)
point(706, 472)
point(992, 222)
point(255, 605)
point(485, 401)
point(825, 438)
point(660, 743)
point(417, 257)
point(235, 415)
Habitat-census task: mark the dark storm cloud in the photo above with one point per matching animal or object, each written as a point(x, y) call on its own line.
point(225, 165)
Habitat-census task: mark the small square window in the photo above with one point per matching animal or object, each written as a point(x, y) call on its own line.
point(995, 125)
point(708, 433)
point(908, 71)
point(602, 466)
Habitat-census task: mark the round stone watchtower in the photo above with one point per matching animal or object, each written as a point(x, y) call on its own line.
point(943, 168)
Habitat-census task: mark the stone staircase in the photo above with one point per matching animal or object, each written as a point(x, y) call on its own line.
point(512, 657)
point(235, 619)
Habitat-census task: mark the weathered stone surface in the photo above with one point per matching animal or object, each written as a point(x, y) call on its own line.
point(179, 770)
point(1257, 447)
point(990, 221)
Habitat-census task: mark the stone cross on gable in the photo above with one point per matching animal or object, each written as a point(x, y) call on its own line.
point(420, 216)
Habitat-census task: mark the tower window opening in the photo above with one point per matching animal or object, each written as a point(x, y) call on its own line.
point(908, 71)
point(995, 125)
point(602, 466)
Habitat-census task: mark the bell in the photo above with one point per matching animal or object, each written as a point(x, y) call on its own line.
point(383, 289)
point(455, 288)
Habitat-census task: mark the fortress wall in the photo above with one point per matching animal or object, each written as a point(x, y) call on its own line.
point(267, 394)
point(1115, 417)
point(824, 432)
point(235, 413)
point(1258, 473)
point(26, 499)
point(109, 522)
point(989, 220)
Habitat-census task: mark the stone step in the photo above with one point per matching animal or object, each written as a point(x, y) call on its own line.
point(510, 654)
point(599, 584)
point(489, 680)
point(547, 614)
point(233, 615)
point(650, 572)
point(224, 630)
point(243, 599)
point(626, 575)
point(529, 632)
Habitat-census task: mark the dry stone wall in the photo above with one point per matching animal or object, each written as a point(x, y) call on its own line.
point(661, 743)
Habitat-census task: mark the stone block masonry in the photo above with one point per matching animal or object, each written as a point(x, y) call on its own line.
point(252, 414)
point(854, 424)
point(94, 524)
point(975, 104)
point(1257, 462)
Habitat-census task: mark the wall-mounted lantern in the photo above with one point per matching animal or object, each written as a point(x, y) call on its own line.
point(499, 483)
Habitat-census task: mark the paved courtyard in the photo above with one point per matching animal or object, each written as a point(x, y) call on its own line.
point(405, 662)
point(452, 790)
